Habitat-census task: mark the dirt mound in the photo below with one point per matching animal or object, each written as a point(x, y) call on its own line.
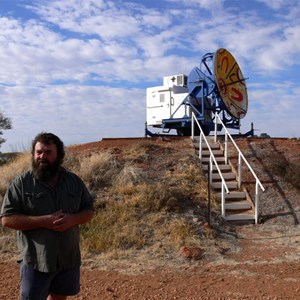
point(277, 163)
point(263, 264)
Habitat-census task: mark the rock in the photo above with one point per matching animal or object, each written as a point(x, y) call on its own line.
point(194, 253)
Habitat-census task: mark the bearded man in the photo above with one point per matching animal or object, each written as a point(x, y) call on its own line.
point(45, 205)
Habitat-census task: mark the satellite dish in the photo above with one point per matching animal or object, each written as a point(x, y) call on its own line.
point(231, 83)
point(216, 86)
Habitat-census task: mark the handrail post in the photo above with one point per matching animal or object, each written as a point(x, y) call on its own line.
point(210, 169)
point(256, 202)
point(216, 127)
point(209, 196)
point(200, 146)
point(193, 126)
point(223, 200)
point(240, 171)
point(226, 147)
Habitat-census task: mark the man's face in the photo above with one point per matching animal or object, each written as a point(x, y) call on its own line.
point(44, 161)
point(45, 154)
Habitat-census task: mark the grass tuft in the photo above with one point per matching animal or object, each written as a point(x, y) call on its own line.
point(146, 197)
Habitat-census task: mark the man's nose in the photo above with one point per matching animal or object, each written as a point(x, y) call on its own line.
point(42, 155)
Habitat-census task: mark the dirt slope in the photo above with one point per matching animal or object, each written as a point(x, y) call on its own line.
point(264, 264)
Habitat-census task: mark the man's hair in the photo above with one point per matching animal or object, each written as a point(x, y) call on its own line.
point(50, 138)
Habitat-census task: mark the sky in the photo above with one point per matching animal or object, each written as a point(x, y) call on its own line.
point(80, 69)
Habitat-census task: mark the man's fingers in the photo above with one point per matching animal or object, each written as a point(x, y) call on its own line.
point(59, 213)
point(59, 221)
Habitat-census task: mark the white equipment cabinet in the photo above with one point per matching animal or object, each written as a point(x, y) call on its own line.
point(164, 102)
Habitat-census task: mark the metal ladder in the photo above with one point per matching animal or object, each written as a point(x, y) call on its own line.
point(236, 203)
point(237, 206)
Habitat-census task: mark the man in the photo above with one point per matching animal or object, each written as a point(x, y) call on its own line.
point(45, 206)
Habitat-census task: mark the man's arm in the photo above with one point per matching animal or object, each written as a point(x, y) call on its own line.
point(25, 222)
point(57, 221)
point(67, 221)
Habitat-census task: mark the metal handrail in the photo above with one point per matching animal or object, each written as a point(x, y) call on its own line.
point(240, 158)
point(212, 160)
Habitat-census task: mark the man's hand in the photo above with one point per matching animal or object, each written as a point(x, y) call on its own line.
point(58, 221)
point(25, 222)
point(49, 220)
point(63, 222)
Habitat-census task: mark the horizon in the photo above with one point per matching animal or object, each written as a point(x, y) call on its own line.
point(80, 70)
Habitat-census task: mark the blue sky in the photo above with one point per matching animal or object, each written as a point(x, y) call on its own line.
point(80, 69)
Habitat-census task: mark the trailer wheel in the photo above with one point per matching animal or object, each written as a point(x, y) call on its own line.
point(184, 131)
point(188, 131)
point(206, 131)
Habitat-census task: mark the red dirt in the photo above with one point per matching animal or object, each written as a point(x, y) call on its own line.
point(264, 265)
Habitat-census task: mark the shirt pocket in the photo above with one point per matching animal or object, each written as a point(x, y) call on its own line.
point(37, 204)
point(72, 202)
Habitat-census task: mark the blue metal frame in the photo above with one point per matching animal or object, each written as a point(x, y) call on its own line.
point(203, 97)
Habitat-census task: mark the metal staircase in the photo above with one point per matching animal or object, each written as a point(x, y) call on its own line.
point(238, 206)
point(225, 179)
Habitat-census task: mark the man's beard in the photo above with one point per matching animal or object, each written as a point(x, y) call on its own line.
point(44, 170)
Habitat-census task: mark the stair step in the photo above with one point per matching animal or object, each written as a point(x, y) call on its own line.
point(240, 217)
point(238, 209)
point(218, 160)
point(206, 153)
point(213, 146)
point(223, 168)
point(231, 185)
point(241, 205)
point(226, 176)
point(233, 196)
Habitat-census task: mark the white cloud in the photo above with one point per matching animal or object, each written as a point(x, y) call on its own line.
point(275, 4)
point(77, 113)
point(81, 68)
point(272, 108)
point(207, 4)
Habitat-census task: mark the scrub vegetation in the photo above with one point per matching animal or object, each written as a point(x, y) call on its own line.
point(148, 196)
point(150, 199)
point(143, 199)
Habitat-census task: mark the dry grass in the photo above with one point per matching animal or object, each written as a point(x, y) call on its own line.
point(16, 166)
point(150, 202)
point(280, 166)
point(97, 170)
point(8, 171)
point(150, 197)
point(289, 172)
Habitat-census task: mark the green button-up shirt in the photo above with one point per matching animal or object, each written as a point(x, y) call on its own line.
point(46, 250)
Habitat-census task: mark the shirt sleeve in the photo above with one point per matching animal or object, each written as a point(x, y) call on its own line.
point(12, 202)
point(87, 201)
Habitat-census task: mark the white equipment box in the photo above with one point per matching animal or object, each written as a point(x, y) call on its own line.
point(163, 102)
